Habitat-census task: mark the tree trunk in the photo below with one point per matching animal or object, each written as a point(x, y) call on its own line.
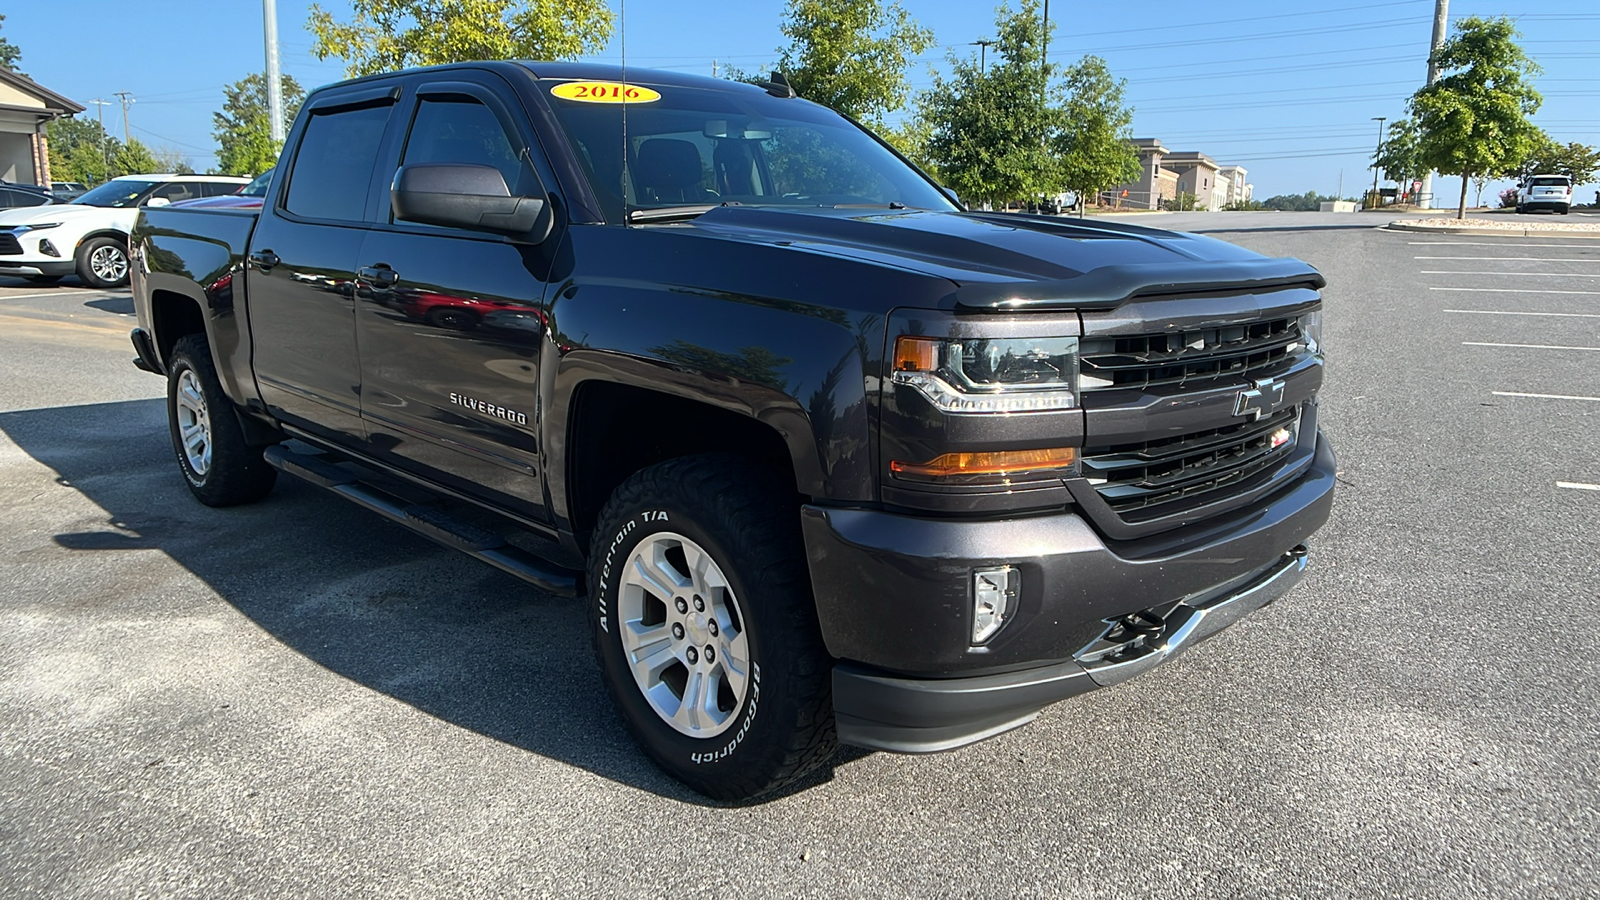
point(1461, 211)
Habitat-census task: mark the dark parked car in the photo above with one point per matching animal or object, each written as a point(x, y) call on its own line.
point(831, 458)
point(15, 195)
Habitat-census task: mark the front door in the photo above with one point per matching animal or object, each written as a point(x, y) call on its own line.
point(302, 267)
point(450, 322)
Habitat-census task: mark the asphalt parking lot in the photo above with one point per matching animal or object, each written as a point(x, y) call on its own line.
point(298, 699)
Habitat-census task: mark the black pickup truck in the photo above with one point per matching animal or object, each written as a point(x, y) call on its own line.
point(831, 457)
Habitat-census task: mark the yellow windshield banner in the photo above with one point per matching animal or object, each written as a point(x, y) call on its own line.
point(604, 92)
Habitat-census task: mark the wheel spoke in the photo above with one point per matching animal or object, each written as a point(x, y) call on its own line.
point(692, 711)
point(650, 576)
point(649, 663)
point(733, 655)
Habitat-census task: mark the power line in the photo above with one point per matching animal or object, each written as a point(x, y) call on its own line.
point(1304, 32)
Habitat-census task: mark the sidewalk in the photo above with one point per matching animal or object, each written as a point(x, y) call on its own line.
point(1522, 226)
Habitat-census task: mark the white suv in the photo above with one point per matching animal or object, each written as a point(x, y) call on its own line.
point(1552, 192)
point(89, 236)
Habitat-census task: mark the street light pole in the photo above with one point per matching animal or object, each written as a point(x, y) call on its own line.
point(1380, 120)
point(983, 54)
point(269, 11)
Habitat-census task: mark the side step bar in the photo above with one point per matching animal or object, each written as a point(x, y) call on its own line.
point(429, 522)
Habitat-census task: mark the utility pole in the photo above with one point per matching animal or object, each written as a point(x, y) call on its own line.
point(1380, 120)
point(105, 150)
point(983, 54)
point(269, 11)
point(1044, 57)
point(126, 99)
point(1441, 27)
point(713, 68)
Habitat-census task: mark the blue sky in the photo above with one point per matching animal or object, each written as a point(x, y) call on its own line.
point(1288, 93)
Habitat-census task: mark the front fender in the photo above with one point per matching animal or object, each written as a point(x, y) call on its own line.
point(802, 374)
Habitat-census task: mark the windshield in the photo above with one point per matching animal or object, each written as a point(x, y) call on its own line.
point(1549, 182)
point(118, 193)
point(735, 145)
point(257, 186)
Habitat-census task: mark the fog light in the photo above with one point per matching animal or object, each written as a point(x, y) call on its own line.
point(994, 599)
point(49, 249)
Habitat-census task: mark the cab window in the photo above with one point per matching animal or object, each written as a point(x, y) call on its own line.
point(458, 129)
point(333, 165)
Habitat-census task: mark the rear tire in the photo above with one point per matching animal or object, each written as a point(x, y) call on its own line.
point(218, 464)
point(103, 262)
point(701, 554)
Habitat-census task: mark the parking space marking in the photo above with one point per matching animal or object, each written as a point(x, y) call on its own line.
point(57, 294)
point(1503, 244)
point(1543, 396)
point(1518, 274)
point(1577, 486)
point(1506, 312)
point(1510, 291)
point(1526, 346)
point(1590, 259)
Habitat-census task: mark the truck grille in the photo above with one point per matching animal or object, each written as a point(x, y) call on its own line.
point(9, 245)
point(1151, 479)
point(1237, 352)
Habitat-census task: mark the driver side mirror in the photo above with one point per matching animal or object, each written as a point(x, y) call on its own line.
point(457, 195)
point(158, 201)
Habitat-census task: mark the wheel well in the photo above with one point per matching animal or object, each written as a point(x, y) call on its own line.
point(616, 430)
point(121, 237)
point(172, 315)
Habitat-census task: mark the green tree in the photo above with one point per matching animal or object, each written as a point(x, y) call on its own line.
point(910, 137)
point(992, 134)
point(1578, 162)
point(80, 150)
point(134, 158)
point(1095, 142)
point(10, 54)
point(386, 35)
point(243, 127)
point(1475, 118)
point(1399, 156)
point(851, 55)
point(171, 159)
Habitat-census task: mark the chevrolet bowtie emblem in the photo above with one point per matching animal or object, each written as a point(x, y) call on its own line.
point(1259, 400)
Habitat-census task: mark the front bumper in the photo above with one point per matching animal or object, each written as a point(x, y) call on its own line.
point(893, 602)
point(11, 265)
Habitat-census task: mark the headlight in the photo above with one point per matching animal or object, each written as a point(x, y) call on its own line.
point(40, 227)
point(1311, 330)
point(990, 375)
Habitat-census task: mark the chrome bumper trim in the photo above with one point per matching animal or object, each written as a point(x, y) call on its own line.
point(1188, 623)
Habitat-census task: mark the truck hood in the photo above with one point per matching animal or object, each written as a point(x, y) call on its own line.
point(66, 212)
point(1001, 261)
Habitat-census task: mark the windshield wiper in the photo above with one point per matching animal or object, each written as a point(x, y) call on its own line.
point(669, 213)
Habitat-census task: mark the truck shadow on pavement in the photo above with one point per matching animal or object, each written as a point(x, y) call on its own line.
point(363, 598)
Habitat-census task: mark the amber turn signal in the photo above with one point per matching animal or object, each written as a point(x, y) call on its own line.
point(997, 462)
point(915, 354)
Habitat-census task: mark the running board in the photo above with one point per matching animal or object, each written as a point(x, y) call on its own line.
point(428, 521)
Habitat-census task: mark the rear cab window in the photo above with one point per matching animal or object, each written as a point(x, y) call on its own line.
point(333, 164)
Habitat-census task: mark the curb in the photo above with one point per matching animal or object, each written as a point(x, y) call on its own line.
point(1419, 228)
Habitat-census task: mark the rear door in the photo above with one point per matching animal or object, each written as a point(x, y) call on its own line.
point(451, 322)
point(303, 259)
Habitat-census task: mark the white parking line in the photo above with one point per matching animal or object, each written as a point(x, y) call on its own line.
point(1526, 346)
point(55, 294)
point(1510, 291)
point(1518, 274)
point(1505, 312)
point(1590, 259)
point(1543, 396)
point(1501, 244)
point(1577, 486)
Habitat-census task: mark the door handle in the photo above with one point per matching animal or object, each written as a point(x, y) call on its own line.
point(265, 259)
point(380, 276)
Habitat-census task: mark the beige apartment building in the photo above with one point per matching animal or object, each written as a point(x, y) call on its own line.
point(1164, 173)
point(26, 111)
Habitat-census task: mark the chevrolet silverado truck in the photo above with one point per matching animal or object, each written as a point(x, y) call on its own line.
point(832, 458)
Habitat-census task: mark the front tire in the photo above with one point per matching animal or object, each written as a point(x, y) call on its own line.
point(103, 262)
point(705, 629)
point(218, 464)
